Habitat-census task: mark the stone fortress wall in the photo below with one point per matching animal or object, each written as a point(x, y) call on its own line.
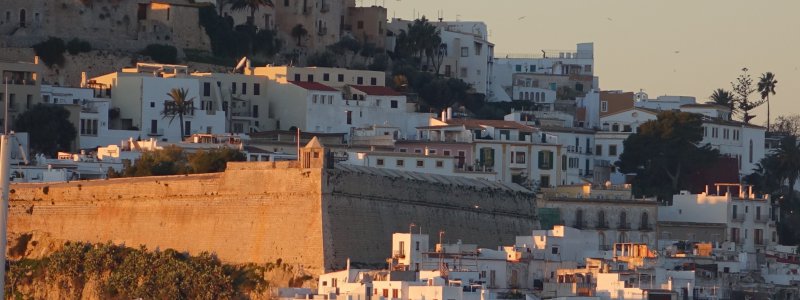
point(127, 25)
point(315, 218)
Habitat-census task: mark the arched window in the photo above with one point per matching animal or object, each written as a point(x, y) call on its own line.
point(623, 220)
point(22, 18)
point(602, 237)
point(645, 221)
point(623, 237)
point(601, 219)
point(536, 96)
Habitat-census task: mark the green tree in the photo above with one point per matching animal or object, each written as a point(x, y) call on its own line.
point(163, 54)
point(743, 88)
point(48, 127)
point(766, 86)
point(51, 51)
point(252, 5)
point(724, 98)
point(178, 106)
point(324, 59)
point(664, 151)
point(213, 160)
point(788, 125)
point(299, 32)
point(788, 162)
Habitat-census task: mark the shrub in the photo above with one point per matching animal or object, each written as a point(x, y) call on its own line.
point(51, 51)
point(164, 54)
point(75, 46)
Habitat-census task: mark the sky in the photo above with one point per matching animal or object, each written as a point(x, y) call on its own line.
point(676, 47)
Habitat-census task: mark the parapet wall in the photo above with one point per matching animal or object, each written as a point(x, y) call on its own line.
point(260, 212)
point(243, 215)
point(363, 211)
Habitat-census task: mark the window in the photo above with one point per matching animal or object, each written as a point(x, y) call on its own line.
point(326, 77)
point(751, 151)
point(446, 152)
point(417, 246)
point(439, 164)
point(563, 162)
point(518, 68)
point(255, 111)
point(403, 150)
point(360, 80)
point(587, 68)
point(545, 160)
point(393, 103)
point(612, 150)
point(464, 51)
point(373, 81)
point(29, 100)
point(519, 157)
point(340, 77)
point(379, 162)
point(285, 2)
point(152, 104)
point(296, 77)
point(417, 150)
point(598, 149)
point(360, 25)
point(187, 128)
point(554, 250)
point(349, 117)
point(420, 163)
point(207, 89)
point(244, 88)
point(256, 89)
point(310, 77)
point(400, 162)
point(464, 72)
point(233, 87)
point(395, 294)
point(604, 106)
point(314, 99)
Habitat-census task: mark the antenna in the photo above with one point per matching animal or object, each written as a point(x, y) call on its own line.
point(440, 15)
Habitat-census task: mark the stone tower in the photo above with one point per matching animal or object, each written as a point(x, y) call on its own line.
point(312, 155)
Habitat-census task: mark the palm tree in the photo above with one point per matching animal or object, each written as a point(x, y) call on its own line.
point(299, 32)
point(253, 5)
point(766, 86)
point(788, 162)
point(179, 106)
point(724, 98)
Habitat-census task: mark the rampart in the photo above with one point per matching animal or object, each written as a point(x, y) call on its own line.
point(314, 217)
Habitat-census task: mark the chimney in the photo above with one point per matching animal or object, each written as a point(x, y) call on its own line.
point(348, 264)
point(83, 79)
point(36, 59)
point(427, 151)
point(444, 116)
point(449, 113)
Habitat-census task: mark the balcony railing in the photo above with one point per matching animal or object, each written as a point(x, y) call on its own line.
point(738, 217)
point(761, 218)
point(645, 227)
point(578, 224)
point(155, 132)
point(624, 225)
point(602, 225)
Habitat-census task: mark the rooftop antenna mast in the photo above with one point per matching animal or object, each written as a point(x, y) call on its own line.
point(440, 14)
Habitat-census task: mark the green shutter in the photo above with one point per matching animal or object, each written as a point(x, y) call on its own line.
point(550, 154)
point(541, 159)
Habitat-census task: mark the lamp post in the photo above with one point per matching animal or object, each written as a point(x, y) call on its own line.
point(4, 173)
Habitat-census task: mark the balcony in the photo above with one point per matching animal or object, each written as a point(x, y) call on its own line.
point(326, 7)
point(398, 254)
point(602, 225)
point(155, 132)
point(737, 217)
point(578, 224)
point(645, 227)
point(624, 226)
point(761, 218)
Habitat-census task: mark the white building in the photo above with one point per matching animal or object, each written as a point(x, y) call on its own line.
point(468, 54)
point(580, 61)
point(726, 213)
point(140, 94)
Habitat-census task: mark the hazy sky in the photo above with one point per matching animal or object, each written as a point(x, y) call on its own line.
point(676, 47)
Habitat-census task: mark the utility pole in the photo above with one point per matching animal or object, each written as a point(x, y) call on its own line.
point(4, 173)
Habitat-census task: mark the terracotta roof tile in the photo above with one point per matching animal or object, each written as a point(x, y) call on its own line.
point(314, 86)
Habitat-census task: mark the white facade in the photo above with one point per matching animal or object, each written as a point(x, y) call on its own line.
point(550, 62)
point(749, 222)
point(140, 94)
point(468, 54)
